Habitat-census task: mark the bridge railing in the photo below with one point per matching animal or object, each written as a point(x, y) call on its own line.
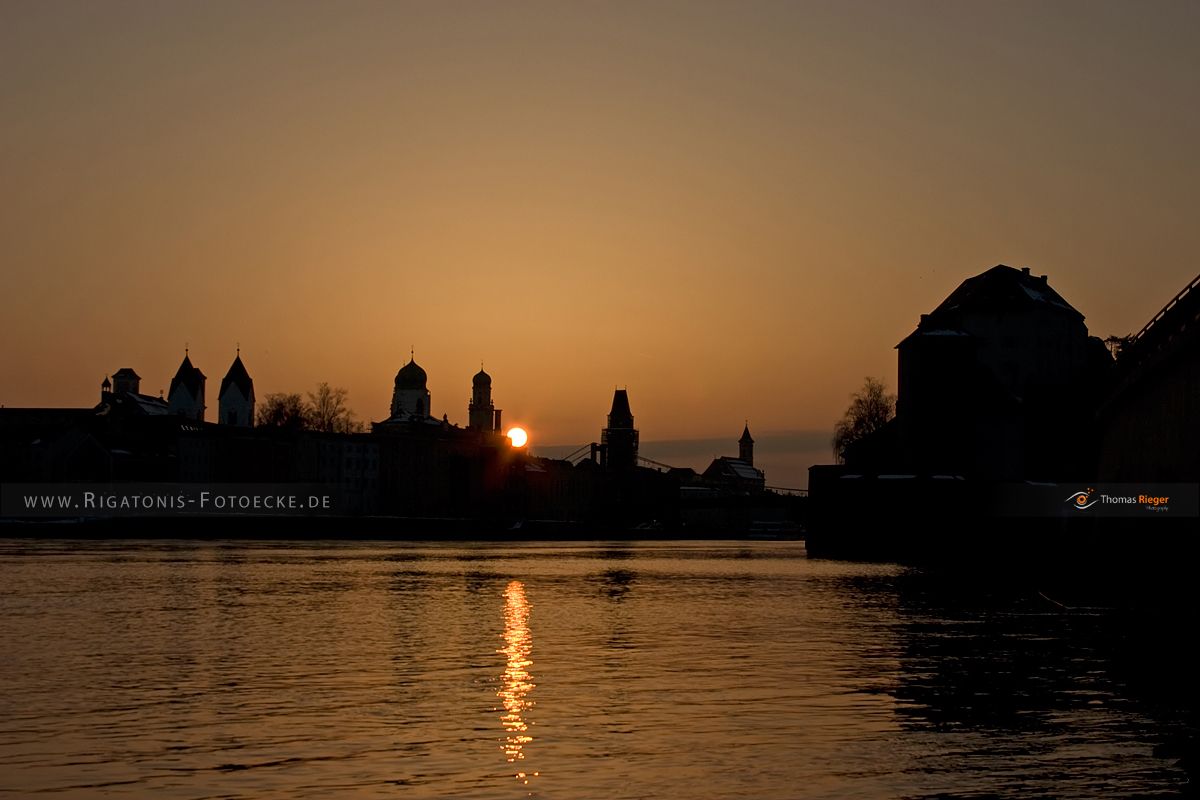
point(1153, 336)
point(1163, 312)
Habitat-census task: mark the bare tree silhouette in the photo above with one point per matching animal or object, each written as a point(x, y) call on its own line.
point(328, 412)
point(324, 410)
point(870, 409)
point(281, 410)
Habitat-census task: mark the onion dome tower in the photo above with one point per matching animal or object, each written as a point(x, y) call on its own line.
point(410, 397)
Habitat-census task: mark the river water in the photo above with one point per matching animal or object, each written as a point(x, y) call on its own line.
point(592, 670)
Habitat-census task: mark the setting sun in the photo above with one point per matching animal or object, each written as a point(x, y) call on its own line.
point(517, 436)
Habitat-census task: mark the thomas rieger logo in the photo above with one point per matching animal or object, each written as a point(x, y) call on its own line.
point(1084, 500)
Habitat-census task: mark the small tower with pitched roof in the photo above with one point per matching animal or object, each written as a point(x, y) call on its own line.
point(126, 380)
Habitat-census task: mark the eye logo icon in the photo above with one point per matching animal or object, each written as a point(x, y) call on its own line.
point(1081, 500)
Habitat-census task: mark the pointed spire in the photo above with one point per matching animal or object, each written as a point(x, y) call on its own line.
point(620, 415)
point(239, 377)
point(746, 445)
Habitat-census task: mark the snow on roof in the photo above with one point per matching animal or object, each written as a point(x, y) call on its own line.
point(1043, 297)
point(742, 469)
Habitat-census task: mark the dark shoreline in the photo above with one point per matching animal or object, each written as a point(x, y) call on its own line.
point(364, 528)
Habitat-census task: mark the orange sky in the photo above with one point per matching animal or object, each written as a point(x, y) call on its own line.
point(735, 210)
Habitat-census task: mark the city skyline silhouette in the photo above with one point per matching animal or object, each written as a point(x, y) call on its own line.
point(736, 212)
point(624, 400)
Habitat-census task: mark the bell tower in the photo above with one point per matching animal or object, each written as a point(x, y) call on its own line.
point(481, 412)
point(746, 446)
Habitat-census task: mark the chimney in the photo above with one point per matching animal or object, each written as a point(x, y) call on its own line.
point(1043, 279)
point(1024, 270)
point(497, 423)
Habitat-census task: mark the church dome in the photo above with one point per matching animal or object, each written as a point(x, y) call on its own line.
point(481, 378)
point(411, 376)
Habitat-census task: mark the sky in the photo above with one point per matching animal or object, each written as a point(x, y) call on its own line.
point(734, 210)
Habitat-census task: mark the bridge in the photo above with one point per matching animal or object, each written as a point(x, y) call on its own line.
point(1149, 422)
point(588, 452)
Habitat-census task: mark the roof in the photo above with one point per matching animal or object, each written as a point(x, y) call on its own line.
point(727, 467)
point(746, 435)
point(148, 404)
point(1003, 288)
point(239, 377)
point(126, 372)
point(481, 377)
point(191, 378)
point(1000, 289)
point(411, 376)
point(620, 416)
point(133, 403)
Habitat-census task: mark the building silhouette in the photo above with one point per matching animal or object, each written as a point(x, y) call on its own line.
point(235, 402)
point(746, 446)
point(1150, 419)
point(411, 466)
point(619, 439)
point(125, 380)
point(124, 392)
point(482, 414)
point(185, 398)
point(410, 396)
point(738, 475)
point(997, 382)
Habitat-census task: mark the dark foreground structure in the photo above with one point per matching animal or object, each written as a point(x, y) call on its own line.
point(1013, 425)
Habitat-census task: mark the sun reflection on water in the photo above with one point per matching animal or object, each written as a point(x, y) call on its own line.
point(517, 682)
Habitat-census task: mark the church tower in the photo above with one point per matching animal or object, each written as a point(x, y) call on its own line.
point(186, 395)
point(481, 413)
point(236, 401)
point(746, 446)
point(410, 397)
point(620, 438)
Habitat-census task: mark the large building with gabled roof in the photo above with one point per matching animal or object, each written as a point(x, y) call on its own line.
point(992, 381)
